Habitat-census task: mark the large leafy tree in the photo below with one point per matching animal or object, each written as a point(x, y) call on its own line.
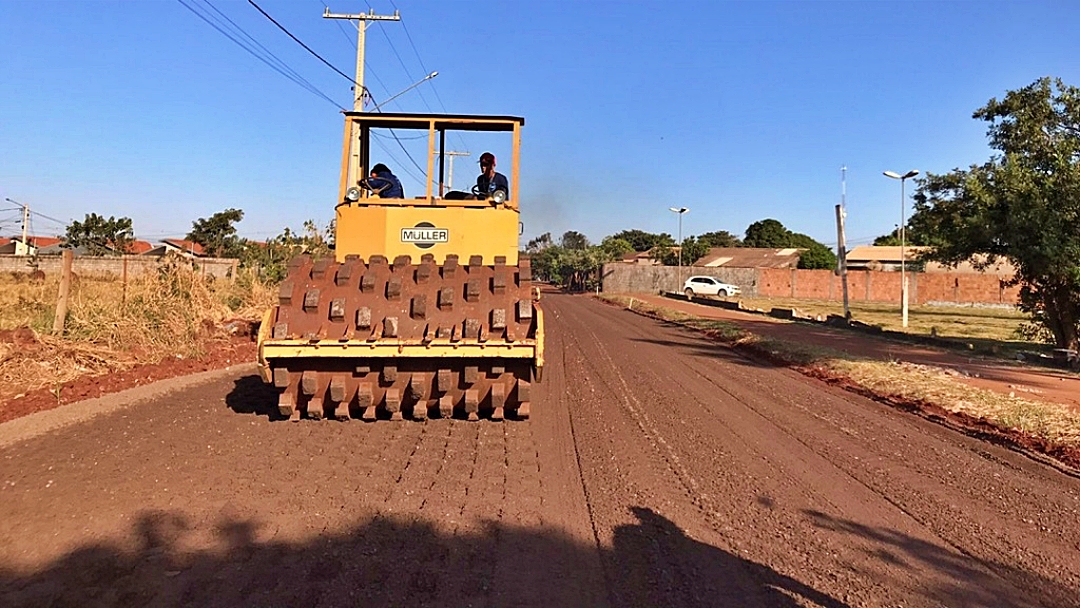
point(539, 243)
point(719, 238)
point(771, 234)
point(571, 239)
point(217, 233)
point(1023, 204)
point(768, 233)
point(100, 236)
point(644, 241)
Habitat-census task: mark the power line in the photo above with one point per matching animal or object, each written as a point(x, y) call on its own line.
point(418, 58)
point(294, 77)
point(343, 74)
point(352, 43)
point(257, 43)
point(398, 55)
point(301, 43)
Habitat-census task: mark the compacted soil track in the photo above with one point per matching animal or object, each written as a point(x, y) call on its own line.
point(658, 469)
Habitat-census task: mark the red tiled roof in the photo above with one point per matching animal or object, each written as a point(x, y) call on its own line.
point(43, 241)
point(188, 246)
point(139, 247)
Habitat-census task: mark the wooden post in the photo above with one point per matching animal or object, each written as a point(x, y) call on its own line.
point(123, 293)
point(65, 291)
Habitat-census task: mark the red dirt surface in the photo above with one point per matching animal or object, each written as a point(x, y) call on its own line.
point(219, 354)
point(659, 469)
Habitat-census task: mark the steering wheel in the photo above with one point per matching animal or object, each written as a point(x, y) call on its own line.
point(479, 194)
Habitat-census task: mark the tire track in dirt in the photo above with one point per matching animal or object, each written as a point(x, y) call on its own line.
point(767, 447)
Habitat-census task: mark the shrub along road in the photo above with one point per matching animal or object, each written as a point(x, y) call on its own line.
point(658, 469)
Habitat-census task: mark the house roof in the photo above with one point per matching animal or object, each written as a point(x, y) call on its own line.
point(749, 257)
point(139, 247)
point(186, 246)
point(885, 255)
point(39, 242)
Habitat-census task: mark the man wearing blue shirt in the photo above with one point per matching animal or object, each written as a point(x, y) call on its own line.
point(489, 180)
point(383, 183)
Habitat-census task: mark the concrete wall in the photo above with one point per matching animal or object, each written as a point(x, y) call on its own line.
point(632, 278)
point(863, 285)
point(109, 265)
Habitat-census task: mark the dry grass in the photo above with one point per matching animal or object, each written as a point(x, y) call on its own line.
point(1053, 422)
point(169, 313)
point(964, 322)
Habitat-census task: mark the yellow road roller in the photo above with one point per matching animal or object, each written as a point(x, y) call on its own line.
point(426, 308)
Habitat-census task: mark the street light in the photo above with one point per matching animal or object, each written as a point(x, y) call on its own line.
point(679, 211)
point(406, 90)
point(903, 257)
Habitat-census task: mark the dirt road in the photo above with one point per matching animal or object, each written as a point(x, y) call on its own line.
point(659, 469)
point(1035, 382)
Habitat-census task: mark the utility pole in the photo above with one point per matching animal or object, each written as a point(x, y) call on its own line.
point(25, 229)
point(25, 248)
point(450, 177)
point(841, 245)
point(359, 90)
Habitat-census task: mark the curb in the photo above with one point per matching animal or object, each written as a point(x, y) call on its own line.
point(40, 423)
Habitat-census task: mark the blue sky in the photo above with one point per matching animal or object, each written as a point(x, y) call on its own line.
point(739, 111)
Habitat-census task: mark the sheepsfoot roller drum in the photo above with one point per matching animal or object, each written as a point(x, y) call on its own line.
point(371, 339)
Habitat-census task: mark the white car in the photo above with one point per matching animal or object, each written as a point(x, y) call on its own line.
point(708, 286)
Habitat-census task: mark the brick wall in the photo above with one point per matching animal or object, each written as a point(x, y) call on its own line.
point(863, 285)
point(110, 266)
point(880, 286)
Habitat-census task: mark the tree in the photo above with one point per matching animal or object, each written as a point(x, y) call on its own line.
point(815, 256)
point(644, 241)
point(574, 240)
point(271, 258)
point(691, 251)
point(720, 238)
point(100, 236)
point(769, 234)
point(540, 243)
point(616, 248)
point(1023, 204)
point(889, 240)
point(915, 234)
point(217, 234)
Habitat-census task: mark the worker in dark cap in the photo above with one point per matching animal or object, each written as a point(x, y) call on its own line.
point(383, 183)
point(490, 180)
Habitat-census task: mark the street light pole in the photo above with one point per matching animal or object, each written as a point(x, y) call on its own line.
point(679, 211)
point(903, 255)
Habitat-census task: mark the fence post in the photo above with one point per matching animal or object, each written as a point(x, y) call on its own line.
point(123, 293)
point(65, 291)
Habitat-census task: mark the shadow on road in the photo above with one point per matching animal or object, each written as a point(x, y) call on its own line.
point(972, 581)
point(395, 562)
point(250, 395)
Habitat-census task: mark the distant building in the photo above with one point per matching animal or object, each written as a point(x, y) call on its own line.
point(870, 257)
point(643, 258)
point(15, 246)
point(190, 249)
point(749, 257)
